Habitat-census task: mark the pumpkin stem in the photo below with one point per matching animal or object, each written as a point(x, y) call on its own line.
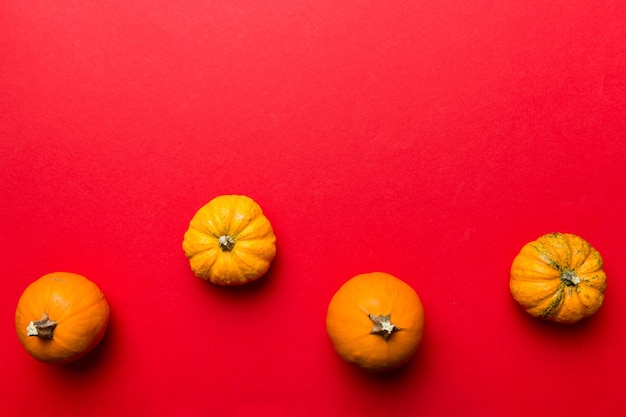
point(570, 278)
point(383, 326)
point(43, 327)
point(226, 243)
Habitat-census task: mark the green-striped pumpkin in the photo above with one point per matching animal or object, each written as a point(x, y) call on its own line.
point(558, 277)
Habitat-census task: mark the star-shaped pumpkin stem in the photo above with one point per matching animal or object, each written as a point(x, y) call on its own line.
point(570, 278)
point(226, 243)
point(43, 327)
point(383, 326)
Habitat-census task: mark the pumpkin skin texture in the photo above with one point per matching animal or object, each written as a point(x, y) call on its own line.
point(230, 241)
point(61, 317)
point(375, 321)
point(558, 278)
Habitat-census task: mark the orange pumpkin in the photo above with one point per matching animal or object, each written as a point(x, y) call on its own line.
point(558, 277)
point(60, 317)
point(375, 321)
point(230, 241)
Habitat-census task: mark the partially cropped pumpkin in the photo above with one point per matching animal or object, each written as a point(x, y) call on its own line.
point(559, 278)
point(230, 241)
point(60, 317)
point(375, 321)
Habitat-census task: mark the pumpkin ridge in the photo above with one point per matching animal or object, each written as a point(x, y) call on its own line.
point(590, 299)
point(534, 274)
point(204, 259)
point(573, 299)
point(205, 225)
point(242, 257)
point(239, 220)
point(597, 293)
point(223, 267)
point(581, 263)
point(522, 298)
point(257, 248)
point(568, 239)
point(562, 262)
point(545, 255)
point(596, 281)
point(249, 260)
point(587, 266)
point(590, 253)
point(555, 305)
point(567, 252)
point(257, 227)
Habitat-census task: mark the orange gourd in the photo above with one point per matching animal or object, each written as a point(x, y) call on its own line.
point(60, 317)
point(375, 321)
point(230, 241)
point(558, 277)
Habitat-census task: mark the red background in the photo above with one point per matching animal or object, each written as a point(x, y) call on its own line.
point(428, 139)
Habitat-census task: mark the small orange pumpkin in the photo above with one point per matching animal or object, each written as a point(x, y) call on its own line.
point(60, 317)
point(375, 321)
point(230, 241)
point(559, 278)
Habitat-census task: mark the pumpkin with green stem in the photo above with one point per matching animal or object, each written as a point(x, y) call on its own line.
point(230, 241)
point(558, 277)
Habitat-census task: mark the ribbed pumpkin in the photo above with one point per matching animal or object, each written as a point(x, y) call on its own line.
point(558, 277)
point(375, 321)
point(60, 317)
point(230, 241)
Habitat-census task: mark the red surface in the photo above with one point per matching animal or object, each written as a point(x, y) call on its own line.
point(427, 139)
